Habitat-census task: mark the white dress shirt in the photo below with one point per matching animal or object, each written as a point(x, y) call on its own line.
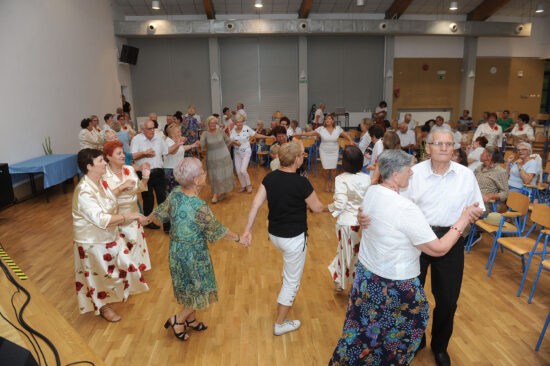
point(476, 155)
point(157, 143)
point(377, 150)
point(349, 191)
point(443, 197)
point(493, 135)
point(525, 130)
point(443, 128)
point(364, 142)
point(388, 245)
point(319, 112)
point(407, 138)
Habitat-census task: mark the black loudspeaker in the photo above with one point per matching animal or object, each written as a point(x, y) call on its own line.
point(6, 188)
point(129, 54)
point(14, 355)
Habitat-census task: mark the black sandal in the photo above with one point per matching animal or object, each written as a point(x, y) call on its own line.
point(180, 335)
point(199, 327)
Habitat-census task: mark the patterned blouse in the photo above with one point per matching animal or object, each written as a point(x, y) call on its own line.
point(493, 180)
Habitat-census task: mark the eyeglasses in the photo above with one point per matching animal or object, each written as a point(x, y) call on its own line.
point(441, 144)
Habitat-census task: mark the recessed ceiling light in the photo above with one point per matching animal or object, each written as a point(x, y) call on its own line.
point(155, 5)
point(258, 4)
point(540, 8)
point(453, 6)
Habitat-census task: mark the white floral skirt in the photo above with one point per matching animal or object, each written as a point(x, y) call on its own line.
point(342, 268)
point(105, 273)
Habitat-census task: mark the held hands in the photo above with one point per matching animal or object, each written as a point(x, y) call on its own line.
point(145, 170)
point(246, 239)
point(363, 218)
point(128, 185)
point(471, 213)
point(143, 220)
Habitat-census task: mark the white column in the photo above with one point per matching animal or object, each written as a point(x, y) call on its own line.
point(302, 81)
point(468, 74)
point(215, 75)
point(389, 52)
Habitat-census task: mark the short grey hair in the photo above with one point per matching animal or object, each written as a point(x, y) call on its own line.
point(391, 161)
point(115, 126)
point(430, 137)
point(110, 135)
point(527, 145)
point(186, 171)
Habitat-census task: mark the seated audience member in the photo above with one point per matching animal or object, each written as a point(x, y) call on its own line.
point(422, 141)
point(465, 119)
point(506, 122)
point(430, 123)
point(474, 156)
point(308, 128)
point(491, 177)
point(380, 121)
point(274, 152)
point(411, 123)
point(521, 168)
point(128, 121)
point(491, 131)
point(293, 128)
point(260, 128)
point(389, 142)
point(459, 156)
point(484, 119)
point(522, 131)
point(440, 125)
point(285, 122)
point(123, 127)
point(271, 129)
point(406, 136)
point(122, 136)
point(466, 143)
point(88, 137)
point(365, 142)
point(382, 109)
point(108, 119)
point(376, 133)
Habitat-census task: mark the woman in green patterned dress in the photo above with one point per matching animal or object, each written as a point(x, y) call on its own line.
point(193, 224)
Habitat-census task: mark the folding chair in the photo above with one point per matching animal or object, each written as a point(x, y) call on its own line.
point(517, 202)
point(342, 143)
point(309, 146)
point(542, 333)
point(522, 246)
point(263, 150)
point(544, 263)
point(253, 148)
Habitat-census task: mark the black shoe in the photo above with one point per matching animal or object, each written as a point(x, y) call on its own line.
point(166, 227)
point(442, 358)
point(152, 226)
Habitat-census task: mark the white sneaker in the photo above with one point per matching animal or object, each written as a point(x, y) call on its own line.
point(475, 239)
point(287, 326)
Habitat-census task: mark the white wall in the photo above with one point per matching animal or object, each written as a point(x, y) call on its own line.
point(58, 66)
point(428, 47)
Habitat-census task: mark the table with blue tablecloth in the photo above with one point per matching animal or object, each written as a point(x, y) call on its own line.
point(56, 168)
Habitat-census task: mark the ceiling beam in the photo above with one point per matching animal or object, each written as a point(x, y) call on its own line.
point(209, 9)
point(397, 8)
point(487, 8)
point(305, 8)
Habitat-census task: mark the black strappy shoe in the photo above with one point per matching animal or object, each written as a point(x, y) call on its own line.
point(199, 327)
point(180, 335)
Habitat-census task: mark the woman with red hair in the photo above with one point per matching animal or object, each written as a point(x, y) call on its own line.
point(125, 184)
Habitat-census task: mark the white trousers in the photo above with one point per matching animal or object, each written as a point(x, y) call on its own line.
point(294, 257)
point(241, 166)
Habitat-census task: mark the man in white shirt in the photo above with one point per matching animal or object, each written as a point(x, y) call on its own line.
point(142, 142)
point(319, 118)
point(406, 137)
point(440, 125)
point(442, 188)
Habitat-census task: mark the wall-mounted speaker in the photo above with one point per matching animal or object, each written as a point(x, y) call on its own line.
point(129, 54)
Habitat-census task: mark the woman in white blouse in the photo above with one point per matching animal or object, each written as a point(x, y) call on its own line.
point(329, 148)
point(522, 131)
point(491, 131)
point(176, 153)
point(240, 139)
point(474, 156)
point(350, 188)
point(387, 309)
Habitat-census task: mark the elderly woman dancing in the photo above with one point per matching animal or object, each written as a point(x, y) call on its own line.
point(125, 184)
point(350, 188)
point(287, 224)
point(104, 269)
point(387, 309)
point(193, 224)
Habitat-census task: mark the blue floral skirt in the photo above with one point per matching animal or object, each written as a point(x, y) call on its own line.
point(385, 321)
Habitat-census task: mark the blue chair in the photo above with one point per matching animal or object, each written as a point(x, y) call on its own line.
point(263, 150)
point(518, 206)
point(542, 333)
point(544, 263)
point(525, 246)
point(309, 149)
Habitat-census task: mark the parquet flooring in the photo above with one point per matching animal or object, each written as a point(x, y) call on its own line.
point(492, 325)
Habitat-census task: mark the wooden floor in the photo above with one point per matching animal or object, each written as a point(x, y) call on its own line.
point(492, 325)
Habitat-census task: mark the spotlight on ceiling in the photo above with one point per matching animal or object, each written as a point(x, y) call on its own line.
point(360, 2)
point(540, 8)
point(258, 4)
point(453, 6)
point(155, 5)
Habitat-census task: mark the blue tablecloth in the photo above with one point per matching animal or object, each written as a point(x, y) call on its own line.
point(57, 168)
